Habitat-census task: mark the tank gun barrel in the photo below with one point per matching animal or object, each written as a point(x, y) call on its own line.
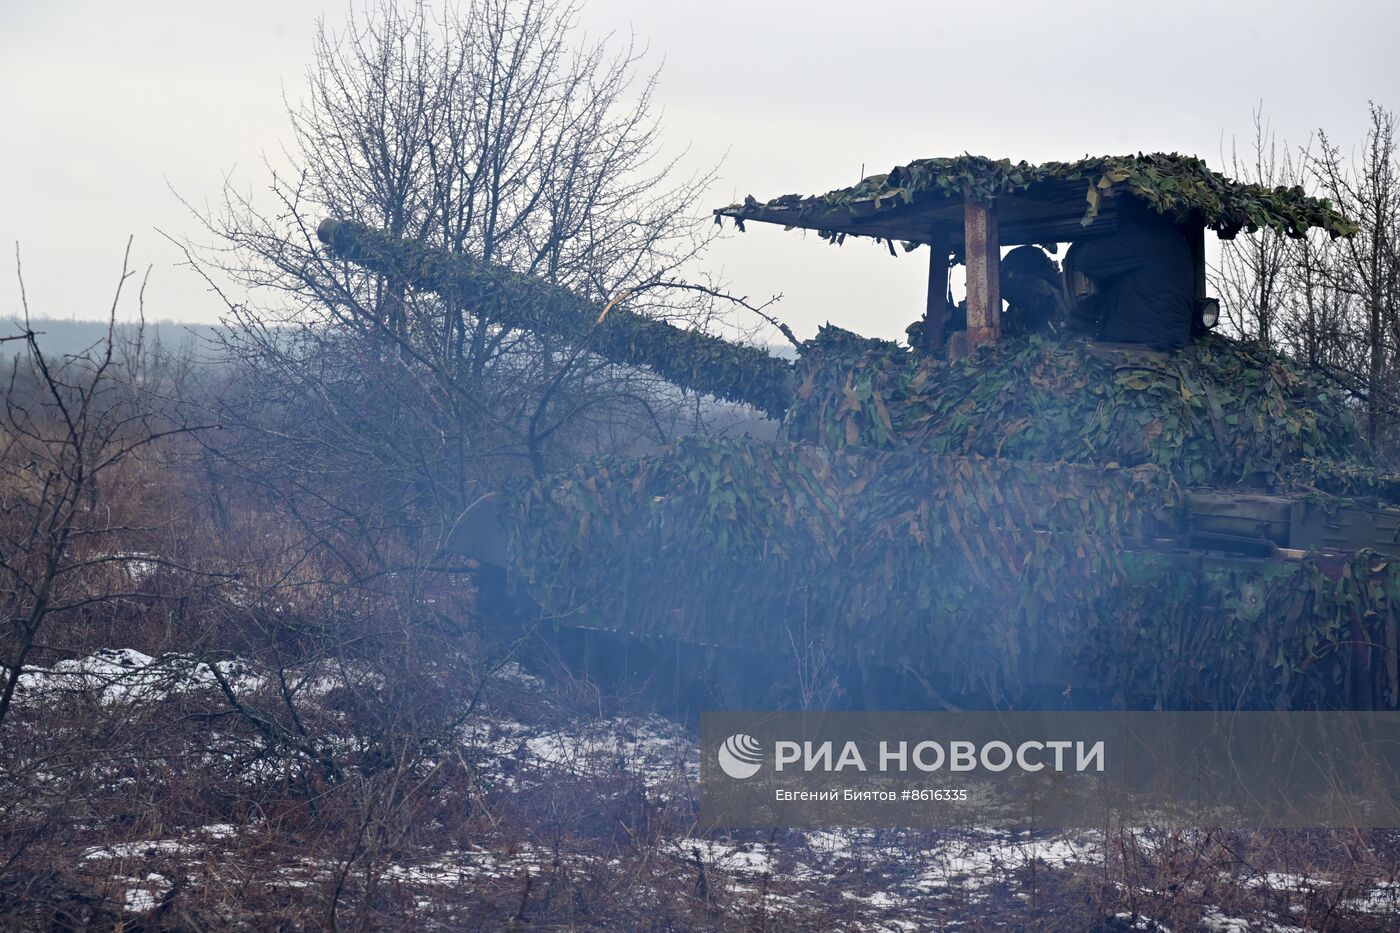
point(695, 361)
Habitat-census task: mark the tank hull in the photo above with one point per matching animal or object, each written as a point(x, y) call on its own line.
point(972, 576)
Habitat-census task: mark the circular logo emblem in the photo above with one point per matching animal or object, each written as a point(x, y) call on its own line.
point(740, 756)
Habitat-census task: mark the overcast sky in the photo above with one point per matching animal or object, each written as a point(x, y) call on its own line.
point(104, 105)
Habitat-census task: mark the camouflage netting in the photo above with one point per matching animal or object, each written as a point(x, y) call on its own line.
point(1000, 518)
point(1218, 413)
point(1182, 186)
point(1000, 573)
point(688, 358)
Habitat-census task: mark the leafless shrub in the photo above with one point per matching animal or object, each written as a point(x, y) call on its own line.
point(76, 435)
point(69, 426)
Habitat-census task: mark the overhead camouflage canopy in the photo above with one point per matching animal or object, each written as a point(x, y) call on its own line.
point(1050, 202)
point(974, 206)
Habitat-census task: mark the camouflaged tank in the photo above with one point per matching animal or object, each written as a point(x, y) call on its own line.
point(1042, 520)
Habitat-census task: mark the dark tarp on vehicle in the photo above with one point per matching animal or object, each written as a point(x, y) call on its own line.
point(1145, 281)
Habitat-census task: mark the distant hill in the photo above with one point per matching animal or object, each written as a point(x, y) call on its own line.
point(59, 337)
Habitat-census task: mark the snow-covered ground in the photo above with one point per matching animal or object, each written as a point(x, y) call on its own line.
point(880, 879)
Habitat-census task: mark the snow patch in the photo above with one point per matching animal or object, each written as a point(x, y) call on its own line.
point(115, 676)
point(1213, 921)
point(750, 859)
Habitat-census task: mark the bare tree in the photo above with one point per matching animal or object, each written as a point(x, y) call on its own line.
point(488, 131)
point(1279, 290)
point(368, 415)
point(1254, 269)
point(1366, 189)
point(1329, 303)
